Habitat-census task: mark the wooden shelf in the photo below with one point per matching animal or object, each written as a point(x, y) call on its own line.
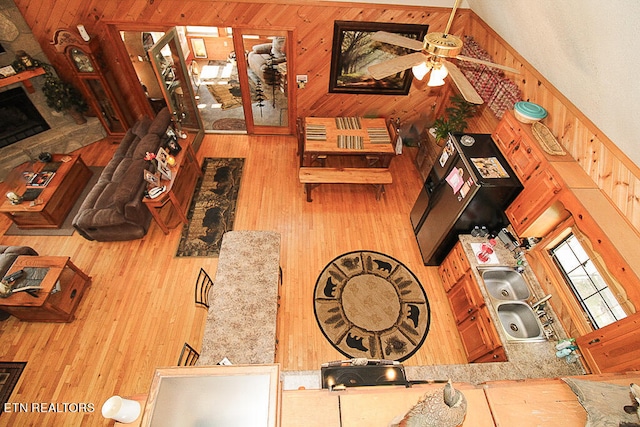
point(23, 77)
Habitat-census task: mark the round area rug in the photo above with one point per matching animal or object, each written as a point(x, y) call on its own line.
point(370, 305)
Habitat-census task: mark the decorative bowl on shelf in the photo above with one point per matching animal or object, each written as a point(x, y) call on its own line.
point(528, 112)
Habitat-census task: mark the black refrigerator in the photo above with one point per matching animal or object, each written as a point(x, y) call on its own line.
point(470, 184)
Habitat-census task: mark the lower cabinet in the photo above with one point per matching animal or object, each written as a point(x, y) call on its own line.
point(478, 333)
point(479, 337)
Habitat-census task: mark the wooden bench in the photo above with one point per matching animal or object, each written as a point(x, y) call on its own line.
point(312, 177)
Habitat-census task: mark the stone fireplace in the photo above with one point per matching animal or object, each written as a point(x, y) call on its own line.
point(63, 134)
point(19, 118)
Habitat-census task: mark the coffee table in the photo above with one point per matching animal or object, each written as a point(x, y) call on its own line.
point(56, 199)
point(63, 285)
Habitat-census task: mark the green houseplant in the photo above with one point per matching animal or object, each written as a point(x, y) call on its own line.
point(63, 96)
point(455, 118)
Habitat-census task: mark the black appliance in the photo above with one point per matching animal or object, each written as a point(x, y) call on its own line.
point(470, 184)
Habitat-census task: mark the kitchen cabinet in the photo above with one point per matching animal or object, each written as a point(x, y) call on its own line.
point(518, 146)
point(613, 348)
point(538, 196)
point(454, 266)
point(465, 298)
point(479, 336)
point(506, 133)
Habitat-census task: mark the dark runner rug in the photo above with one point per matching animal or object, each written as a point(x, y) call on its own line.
point(9, 375)
point(66, 229)
point(212, 209)
point(370, 305)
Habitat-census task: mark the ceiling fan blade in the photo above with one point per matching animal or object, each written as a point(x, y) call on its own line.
point(487, 63)
point(395, 65)
point(466, 89)
point(398, 40)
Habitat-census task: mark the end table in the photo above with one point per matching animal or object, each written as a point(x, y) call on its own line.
point(63, 286)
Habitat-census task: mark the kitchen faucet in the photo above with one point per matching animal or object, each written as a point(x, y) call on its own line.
point(540, 303)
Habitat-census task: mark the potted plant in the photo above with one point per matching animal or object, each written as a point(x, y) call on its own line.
point(64, 97)
point(455, 118)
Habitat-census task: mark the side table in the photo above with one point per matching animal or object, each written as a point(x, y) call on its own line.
point(63, 286)
point(174, 202)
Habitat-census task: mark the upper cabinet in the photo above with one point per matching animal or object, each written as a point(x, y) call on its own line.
point(518, 148)
point(96, 81)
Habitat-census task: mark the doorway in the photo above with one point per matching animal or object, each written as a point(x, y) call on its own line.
point(248, 93)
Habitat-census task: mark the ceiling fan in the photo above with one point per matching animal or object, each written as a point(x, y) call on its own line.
point(432, 55)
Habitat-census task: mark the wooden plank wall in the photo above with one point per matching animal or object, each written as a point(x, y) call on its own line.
point(312, 25)
point(610, 168)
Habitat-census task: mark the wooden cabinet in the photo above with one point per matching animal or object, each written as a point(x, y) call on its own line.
point(453, 267)
point(524, 158)
point(479, 336)
point(537, 197)
point(506, 133)
point(96, 81)
point(465, 298)
point(518, 147)
point(613, 348)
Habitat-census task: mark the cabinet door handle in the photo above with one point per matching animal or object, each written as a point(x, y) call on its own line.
point(495, 356)
point(594, 341)
point(470, 310)
point(473, 318)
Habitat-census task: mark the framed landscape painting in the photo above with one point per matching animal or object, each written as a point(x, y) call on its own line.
point(354, 51)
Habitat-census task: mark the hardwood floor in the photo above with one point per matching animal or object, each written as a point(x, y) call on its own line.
point(139, 310)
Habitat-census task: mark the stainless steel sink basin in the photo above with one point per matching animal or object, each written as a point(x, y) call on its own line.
point(505, 283)
point(519, 321)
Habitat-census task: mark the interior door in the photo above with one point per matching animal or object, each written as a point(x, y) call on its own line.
point(265, 81)
point(168, 62)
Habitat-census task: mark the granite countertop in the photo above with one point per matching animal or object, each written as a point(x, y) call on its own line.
point(525, 359)
point(245, 287)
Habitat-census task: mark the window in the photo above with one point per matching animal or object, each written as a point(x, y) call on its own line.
point(586, 282)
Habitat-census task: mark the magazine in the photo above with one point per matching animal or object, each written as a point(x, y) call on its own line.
point(40, 179)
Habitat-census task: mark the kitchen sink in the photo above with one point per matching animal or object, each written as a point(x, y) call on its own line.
point(505, 283)
point(519, 321)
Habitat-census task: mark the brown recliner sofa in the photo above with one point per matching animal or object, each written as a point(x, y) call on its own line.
point(114, 208)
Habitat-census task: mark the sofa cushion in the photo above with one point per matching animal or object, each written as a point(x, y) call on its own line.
point(121, 170)
point(161, 122)
point(141, 127)
point(128, 188)
point(149, 144)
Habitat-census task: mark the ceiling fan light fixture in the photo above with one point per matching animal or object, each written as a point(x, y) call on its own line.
point(420, 70)
point(437, 76)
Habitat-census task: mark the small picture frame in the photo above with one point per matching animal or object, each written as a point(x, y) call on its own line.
point(163, 166)
point(152, 178)
point(164, 170)
point(161, 156)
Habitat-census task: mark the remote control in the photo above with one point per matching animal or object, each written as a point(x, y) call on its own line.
point(13, 276)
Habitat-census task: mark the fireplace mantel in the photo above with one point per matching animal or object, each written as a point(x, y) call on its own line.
point(23, 77)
